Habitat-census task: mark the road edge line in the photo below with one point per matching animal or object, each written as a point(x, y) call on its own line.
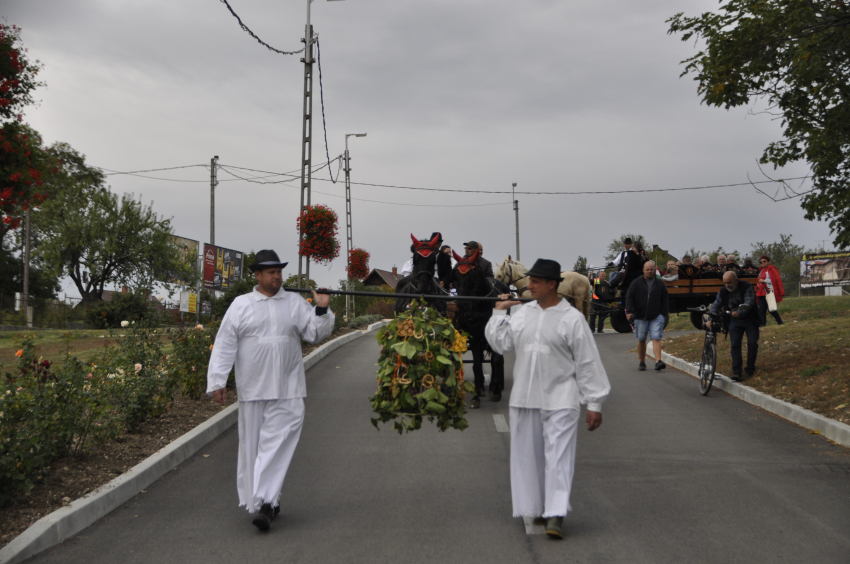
point(65, 522)
point(829, 428)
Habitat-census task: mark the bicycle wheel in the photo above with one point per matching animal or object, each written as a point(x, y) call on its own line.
point(707, 365)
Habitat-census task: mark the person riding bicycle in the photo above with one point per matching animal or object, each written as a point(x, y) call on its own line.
point(739, 297)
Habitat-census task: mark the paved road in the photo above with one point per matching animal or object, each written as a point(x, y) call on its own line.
point(671, 476)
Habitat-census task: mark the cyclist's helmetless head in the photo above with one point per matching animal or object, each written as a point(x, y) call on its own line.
point(730, 280)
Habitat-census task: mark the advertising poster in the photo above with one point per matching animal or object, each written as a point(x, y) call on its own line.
point(206, 308)
point(222, 267)
point(188, 302)
point(187, 250)
point(825, 269)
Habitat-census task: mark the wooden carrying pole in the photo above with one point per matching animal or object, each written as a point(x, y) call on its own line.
point(412, 296)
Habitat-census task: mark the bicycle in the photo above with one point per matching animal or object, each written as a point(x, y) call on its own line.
point(708, 362)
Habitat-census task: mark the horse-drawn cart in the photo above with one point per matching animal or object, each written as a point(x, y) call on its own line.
point(683, 294)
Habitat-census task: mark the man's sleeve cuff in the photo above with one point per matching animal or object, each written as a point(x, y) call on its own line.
point(321, 310)
point(500, 312)
point(597, 407)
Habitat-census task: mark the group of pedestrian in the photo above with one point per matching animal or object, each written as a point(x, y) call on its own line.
point(558, 368)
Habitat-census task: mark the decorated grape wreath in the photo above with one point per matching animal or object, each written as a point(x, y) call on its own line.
point(420, 372)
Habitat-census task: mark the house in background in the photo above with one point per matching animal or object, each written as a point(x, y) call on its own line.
point(380, 277)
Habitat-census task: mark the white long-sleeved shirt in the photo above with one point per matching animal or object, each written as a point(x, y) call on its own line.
point(262, 336)
point(557, 363)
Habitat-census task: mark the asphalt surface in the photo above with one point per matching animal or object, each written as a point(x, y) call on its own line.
point(671, 476)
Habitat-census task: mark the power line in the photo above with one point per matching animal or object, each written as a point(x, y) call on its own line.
point(111, 172)
point(456, 190)
point(324, 123)
point(251, 33)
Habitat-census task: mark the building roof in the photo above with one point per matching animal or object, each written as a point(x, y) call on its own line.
point(380, 277)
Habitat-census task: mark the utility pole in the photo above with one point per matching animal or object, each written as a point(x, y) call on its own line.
point(213, 184)
point(26, 296)
point(349, 243)
point(306, 145)
point(516, 216)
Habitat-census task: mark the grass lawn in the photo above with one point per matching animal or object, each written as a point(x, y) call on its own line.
point(804, 362)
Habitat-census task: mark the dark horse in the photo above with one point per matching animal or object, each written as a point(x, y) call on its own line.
point(426, 255)
point(472, 317)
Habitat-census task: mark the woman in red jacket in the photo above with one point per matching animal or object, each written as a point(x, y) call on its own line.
point(769, 281)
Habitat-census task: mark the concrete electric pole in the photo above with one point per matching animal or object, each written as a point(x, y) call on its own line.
point(349, 243)
point(213, 184)
point(516, 216)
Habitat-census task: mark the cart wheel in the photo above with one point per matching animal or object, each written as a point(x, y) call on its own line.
point(619, 321)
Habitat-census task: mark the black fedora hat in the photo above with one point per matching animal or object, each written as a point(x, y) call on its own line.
point(266, 259)
point(545, 268)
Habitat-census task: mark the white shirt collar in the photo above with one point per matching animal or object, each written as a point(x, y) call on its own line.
point(259, 296)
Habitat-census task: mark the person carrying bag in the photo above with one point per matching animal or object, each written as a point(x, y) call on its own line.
point(769, 291)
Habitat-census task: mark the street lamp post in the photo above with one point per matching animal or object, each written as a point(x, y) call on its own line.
point(306, 141)
point(349, 244)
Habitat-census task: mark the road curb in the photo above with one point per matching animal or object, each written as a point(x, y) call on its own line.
point(82, 513)
point(829, 428)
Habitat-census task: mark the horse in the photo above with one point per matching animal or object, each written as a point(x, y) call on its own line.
point(472, 317)
point(422, 280)
point(575, 287)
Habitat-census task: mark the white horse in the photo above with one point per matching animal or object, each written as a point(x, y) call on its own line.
point(575, 287)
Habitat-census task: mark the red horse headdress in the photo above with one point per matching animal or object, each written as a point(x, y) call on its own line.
point(466, 263)
point(424, 249)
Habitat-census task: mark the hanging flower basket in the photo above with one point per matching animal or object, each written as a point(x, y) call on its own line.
point(358, 264)
point(420, 372)
point(318, 240)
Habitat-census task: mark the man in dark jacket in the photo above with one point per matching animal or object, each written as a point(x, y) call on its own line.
point(646, 305)
point(482, 263)
point(739, 297)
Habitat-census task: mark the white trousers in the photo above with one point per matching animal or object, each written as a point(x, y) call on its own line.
point(543, 454)
point(268, 434)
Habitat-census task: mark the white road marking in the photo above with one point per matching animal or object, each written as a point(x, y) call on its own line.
point(501, 424)
point(531, 528)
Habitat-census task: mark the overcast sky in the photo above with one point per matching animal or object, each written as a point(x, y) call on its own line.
point(469, 95)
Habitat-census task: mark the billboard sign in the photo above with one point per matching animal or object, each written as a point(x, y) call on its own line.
point(819, 270)
point(187, 251)
point(222, 267)
point(188, 302)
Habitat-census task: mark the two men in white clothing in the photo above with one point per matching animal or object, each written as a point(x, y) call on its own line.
point(261, 334)
point(557, 369)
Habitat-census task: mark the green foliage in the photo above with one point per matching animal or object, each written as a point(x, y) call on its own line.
point(793, 54)
point(785, 256)
point(48, 410)
point(140, 387)
point(244, 286)
point(191, 357)
point(132, 306)
point(115, 240)
point(420, 372)
point(580, 265)
point(362, 321)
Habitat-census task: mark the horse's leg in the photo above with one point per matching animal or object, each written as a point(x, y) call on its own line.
point(477, 370)
point(497, 376)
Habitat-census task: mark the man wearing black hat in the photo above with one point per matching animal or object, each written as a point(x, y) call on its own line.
point(470, 247)
point(557, 369)
point(261, 334)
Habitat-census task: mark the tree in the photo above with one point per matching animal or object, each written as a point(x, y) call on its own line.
point(580, 265)
point(793, 54)
point(23, 162)
point(88, 229)
point(785, 256)
point(617, 245)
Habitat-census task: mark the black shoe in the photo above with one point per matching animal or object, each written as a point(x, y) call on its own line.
point(263, 520)
point(660, 365)
point(475, 403)
point(495, 396)
point(642, 366)
point(736, 377)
